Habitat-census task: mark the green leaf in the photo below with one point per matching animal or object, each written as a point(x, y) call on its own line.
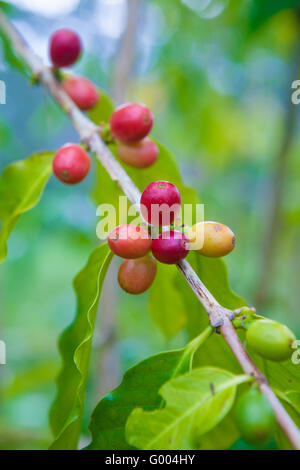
point(291, 402)
point(293, 398)
point(9, 9)
point(222, 437)
point(165, 168)
point(166, 305)
point(75, 347)
point(139, 387)
point(195, 403)
point(103, 109)
point(262, 10)
point(284, 378)
point(29, 381)
point(214, 274)
point(21, 186)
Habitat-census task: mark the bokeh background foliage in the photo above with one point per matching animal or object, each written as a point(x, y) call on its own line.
point(217, 75)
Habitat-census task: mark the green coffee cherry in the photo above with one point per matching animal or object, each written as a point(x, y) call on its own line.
point(254, 417)
point(270, 339)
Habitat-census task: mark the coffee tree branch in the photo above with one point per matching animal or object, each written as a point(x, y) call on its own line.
point(219, 316)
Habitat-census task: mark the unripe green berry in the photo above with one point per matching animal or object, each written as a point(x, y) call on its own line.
point(254, 417)
point(270, 339)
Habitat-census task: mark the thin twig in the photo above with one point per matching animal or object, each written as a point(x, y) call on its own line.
point(88, 132)
point(215, 311)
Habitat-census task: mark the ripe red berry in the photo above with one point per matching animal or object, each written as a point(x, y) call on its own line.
point(65, 48)
point(131, 122)
point(71, 164)
point(170, 247)
point(129, 241)
point(82, 91)
point(139, 154)
point(160, 203)
point(137, 275)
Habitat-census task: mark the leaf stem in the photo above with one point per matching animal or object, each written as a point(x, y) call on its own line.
point(195, 343)
point(219, 316)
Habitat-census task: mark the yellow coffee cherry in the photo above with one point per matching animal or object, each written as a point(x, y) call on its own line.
point(211, 239)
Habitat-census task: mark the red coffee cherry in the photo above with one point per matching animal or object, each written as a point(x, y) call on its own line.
point(140, 154)
point(131, 122)
point(160, 203)
point(71, 164)
point(82, 91)
point(170, 247)
point(137, 275)
point(129, 241)
point(65, 48)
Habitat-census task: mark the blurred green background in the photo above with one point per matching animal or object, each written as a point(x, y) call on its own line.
point(217, 75)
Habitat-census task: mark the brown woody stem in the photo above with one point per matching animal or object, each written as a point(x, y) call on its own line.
point(89, 134)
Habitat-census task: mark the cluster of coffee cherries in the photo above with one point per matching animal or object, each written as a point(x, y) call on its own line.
point(65, 50)
point(160, 205)
point(72, 163)
point(130, 124)
point(254, 416)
